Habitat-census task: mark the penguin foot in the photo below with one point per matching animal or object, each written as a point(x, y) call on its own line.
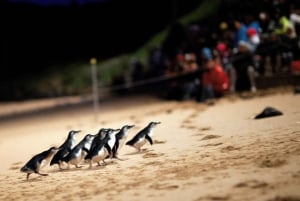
point(27, 177)
point(78, 166)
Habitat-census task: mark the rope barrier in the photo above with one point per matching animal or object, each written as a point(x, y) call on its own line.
point(144, 82)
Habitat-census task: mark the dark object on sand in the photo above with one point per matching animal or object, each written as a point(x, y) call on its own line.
point(268, 112)
point(297, 89)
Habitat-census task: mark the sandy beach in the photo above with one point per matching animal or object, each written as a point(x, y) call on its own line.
point(200, 152)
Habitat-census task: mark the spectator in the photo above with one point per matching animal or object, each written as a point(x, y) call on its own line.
point(215, 81)
point(244, 76)
point(241, 32)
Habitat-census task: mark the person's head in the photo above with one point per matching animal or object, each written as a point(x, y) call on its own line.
point(221, 48)
point(277, 13)
point(210, 63)
point(206, 53)
point(237, 22)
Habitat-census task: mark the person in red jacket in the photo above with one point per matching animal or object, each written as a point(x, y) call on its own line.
point(215, 81)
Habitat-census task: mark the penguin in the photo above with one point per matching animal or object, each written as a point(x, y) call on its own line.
point(64, 149)
point(121, 137)
point(142, 136)
point(75, 155)
point(39, 161)
point(112, 140)
point(99, 151)
point(98, 137)
point(87, 147)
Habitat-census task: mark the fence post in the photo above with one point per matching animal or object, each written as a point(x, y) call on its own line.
point(93, 63)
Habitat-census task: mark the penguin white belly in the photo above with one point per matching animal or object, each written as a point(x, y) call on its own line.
point(140, 143)
point(76, 160)
point(100, 156)
point(88, 145)
point(46, 161)
point(112, 142)
point(150, 134)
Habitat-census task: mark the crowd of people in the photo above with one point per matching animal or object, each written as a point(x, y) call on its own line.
point(226, 57)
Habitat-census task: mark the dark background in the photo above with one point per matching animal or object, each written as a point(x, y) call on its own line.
point(35, 37)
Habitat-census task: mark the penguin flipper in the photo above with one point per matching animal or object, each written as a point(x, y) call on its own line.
point(115, 149)
point(85, 149)
point(59, 155)
point(130, 142)
point(149, 139)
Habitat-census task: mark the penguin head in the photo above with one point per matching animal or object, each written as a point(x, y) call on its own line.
point(72, 133)
point(111, 131)
point(127, 127)
point(89, 137)
point(102, 132)
point(53, 149)
point(154, 123)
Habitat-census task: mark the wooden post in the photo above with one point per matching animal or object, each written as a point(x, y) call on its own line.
point(93, 63)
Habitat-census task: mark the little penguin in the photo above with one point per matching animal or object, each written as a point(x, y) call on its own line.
point(64, 149)
point(99, 151)
point(121, 137)
point(75, 155)
point(112, 140)
point(142, 136)
point(87, 147)
point(39, 161)
point(98, 137)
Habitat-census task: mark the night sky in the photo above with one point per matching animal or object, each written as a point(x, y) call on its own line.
point(36, 34)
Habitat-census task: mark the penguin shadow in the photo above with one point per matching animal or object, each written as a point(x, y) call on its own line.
point(160, 141)
point(143, 151)
point(96, 167)
point(71, 169)
point(37, 178)
point(16, 166)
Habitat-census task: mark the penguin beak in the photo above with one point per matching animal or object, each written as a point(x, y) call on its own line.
point(131, 126)
point(78, 131)
point(158, 122)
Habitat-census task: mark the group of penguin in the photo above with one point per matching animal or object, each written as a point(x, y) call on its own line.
point(92, 148)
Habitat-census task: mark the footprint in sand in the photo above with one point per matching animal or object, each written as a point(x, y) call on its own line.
point(152, 155)
point(289, 198)
point(160, 141)
point(207, 128)
point(251, 184)
point(164, 186)
point(154, 163)
point(169, 111)
point(229, 148)
point(274, 162)
point(188, 127)
point(208, 137)
point(214, 197)
point(212, 144)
